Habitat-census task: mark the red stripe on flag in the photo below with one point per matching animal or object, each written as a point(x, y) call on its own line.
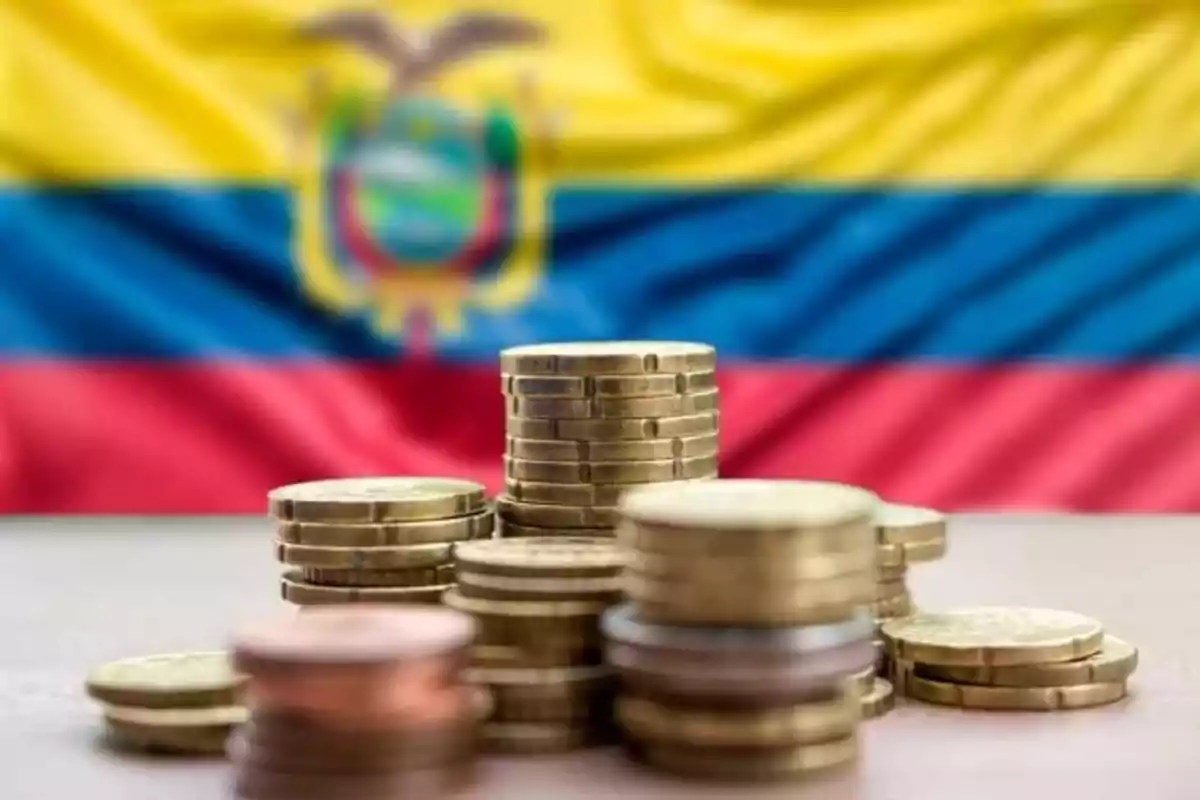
point(213, 438)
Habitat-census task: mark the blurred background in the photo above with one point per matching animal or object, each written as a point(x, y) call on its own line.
point(947, 249)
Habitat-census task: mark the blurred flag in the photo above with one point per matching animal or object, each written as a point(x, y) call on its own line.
point(946, 249)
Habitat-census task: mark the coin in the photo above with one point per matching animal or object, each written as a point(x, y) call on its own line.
point(750, 568)
point(424, 576)
point(570, 494)
point(309, 750)
point(878, 700)
point(892, 573)
point(761, 505)
point(548, 633)
point(608, 358)
point(1029, 698)
point(409, 557)
point(609, 471)
point(613, 407)
point(900, 555)
point(369, 500)
point(183, 730)
point(648, 385)
point(864, 679)
point(564, 556)
point(536, 609)
point(803, 602)
point(174, 680)
point(257, 783)
point(540, 516)
point(500, 587)
point(614, 430)
point(295, 590)
point(529, 738)
point(993, 637)
point(743, 764)
point(890, 590)
point(568, 694)
point(896, 606)
point(806, 723)
point(1114, 663)
point(358, 635)
point(900, 524)
point(388, 534)
point(511, 530)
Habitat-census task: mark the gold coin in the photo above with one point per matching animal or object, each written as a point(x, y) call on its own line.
point(614, 430)
point(609, 471)
point(541, 515)
point(722, 603)
point(889, 590)
point(503, 587)
point(900, 524)
point(563, 450)
point(608, 358)
point(749, 505)
point(172, 680)
point(1030, 698)
point(742, 764)
point(570, 494)
point(560, 556)
point(391, 534)
point(530, 738)
point(751, 567)
point(424, 576)
point(1115, 662)
point(852, 540)
point(410, 557)
point(807, 723)
point(564, 694)
point(495, 656)
point(993, 637)
point(878, 700)
point(900, 555)
point(538, 609)
point(864, 681)
point(649, 385)
point(511, 530)
point(894, 607)
point(613, 407)
point(368, 500)
point(899, 573)
point(295, 590)
point(190, 730)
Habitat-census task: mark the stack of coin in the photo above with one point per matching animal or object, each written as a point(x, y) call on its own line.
point(907, 535)
point(374, 540)
point(184, 703)
point(356, 701)
point(742, 651)
point(1009, 658)
point(588, 420)
point(537, 602)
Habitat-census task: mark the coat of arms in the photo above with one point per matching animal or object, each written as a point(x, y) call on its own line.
point(409, 206)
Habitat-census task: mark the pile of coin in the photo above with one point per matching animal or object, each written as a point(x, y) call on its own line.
point(356, 701)
point(747, 642)
point(374, 540)
point(537, 603)
point(1009, 658)
point(907, 535)
point(185, 703)
point(588, 420)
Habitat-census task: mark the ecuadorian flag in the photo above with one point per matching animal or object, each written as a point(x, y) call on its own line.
point(949, 249)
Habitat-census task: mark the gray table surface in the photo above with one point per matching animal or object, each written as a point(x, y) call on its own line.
point(81, 591)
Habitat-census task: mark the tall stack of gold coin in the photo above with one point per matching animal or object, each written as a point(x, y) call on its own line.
point(588, 420)
point(907, 535)
point(1028, 659)
point(374, 540)
point(747, 626)
point(537, 604)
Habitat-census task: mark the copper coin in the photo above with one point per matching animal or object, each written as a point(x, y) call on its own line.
point(253, 783)
point(361, 635)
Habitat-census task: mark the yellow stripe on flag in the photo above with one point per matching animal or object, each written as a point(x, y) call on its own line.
point(973, 91)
